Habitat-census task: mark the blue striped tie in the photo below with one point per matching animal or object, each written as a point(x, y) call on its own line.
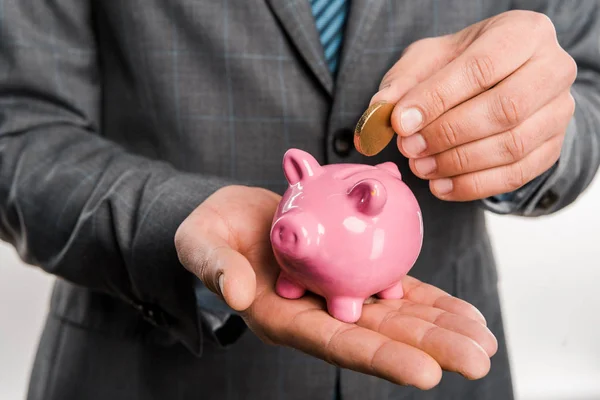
point(330, 16)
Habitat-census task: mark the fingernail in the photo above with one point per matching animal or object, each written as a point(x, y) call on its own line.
point(221, 281)
point(414, 145)
point(442, 186)
point(425, 166)
point(411, 120)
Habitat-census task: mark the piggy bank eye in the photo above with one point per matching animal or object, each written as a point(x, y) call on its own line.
point(369, 196)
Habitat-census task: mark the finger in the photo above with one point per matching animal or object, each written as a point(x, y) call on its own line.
point(222, 269)
point(444, 319)
point(498, 180)
point(422, 293)
point(235, 277)
point(482, 65)
point(299, 324)
point(497, 110)
point(420, 60)
point(453, 351)
point(499, 149)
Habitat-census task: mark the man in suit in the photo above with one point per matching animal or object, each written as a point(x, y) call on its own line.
point(141, 144)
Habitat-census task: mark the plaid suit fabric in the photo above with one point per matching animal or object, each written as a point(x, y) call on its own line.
point(118, 118)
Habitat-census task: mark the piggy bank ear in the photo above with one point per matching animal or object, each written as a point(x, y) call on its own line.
point(391, 168)
point(298, 165)
point(369, 196)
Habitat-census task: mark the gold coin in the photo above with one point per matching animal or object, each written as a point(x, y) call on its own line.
point(374, 129)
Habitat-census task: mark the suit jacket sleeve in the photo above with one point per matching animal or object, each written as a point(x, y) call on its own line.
point(577, 26)
point(71, 202)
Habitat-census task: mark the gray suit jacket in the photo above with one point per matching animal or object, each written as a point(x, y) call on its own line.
point(117, 118)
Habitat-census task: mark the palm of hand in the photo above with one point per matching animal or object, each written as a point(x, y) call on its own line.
point(407, 341)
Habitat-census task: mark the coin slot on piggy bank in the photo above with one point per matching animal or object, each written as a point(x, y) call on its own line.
point(345, 232)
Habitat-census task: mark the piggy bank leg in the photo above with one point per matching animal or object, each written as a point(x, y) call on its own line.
point(393, 292)
point(346, 309)
point(288, 289)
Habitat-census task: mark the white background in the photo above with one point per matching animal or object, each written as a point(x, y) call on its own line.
point(549, 271)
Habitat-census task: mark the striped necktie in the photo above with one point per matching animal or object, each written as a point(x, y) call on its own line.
point(330, 16)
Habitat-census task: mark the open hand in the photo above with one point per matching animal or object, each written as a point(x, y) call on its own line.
point(225, 242)
point(483, 111)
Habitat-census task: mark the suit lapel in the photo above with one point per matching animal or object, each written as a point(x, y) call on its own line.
point(297, 20)
point(363, 15)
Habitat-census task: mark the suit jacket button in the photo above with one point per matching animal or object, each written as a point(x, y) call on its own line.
point(343, 142)
point(548, 200)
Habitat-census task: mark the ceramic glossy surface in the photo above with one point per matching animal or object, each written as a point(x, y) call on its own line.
point(345, 232)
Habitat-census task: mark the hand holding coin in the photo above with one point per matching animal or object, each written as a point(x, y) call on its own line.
point(480, 112)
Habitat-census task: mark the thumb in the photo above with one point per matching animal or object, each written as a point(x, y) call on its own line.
point(222, 269)
point(418, 62)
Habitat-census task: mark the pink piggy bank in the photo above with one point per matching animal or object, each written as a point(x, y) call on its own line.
point(345, 232)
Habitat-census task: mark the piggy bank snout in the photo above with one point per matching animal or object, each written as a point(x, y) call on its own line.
point(286, 235)
point(291, 235)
